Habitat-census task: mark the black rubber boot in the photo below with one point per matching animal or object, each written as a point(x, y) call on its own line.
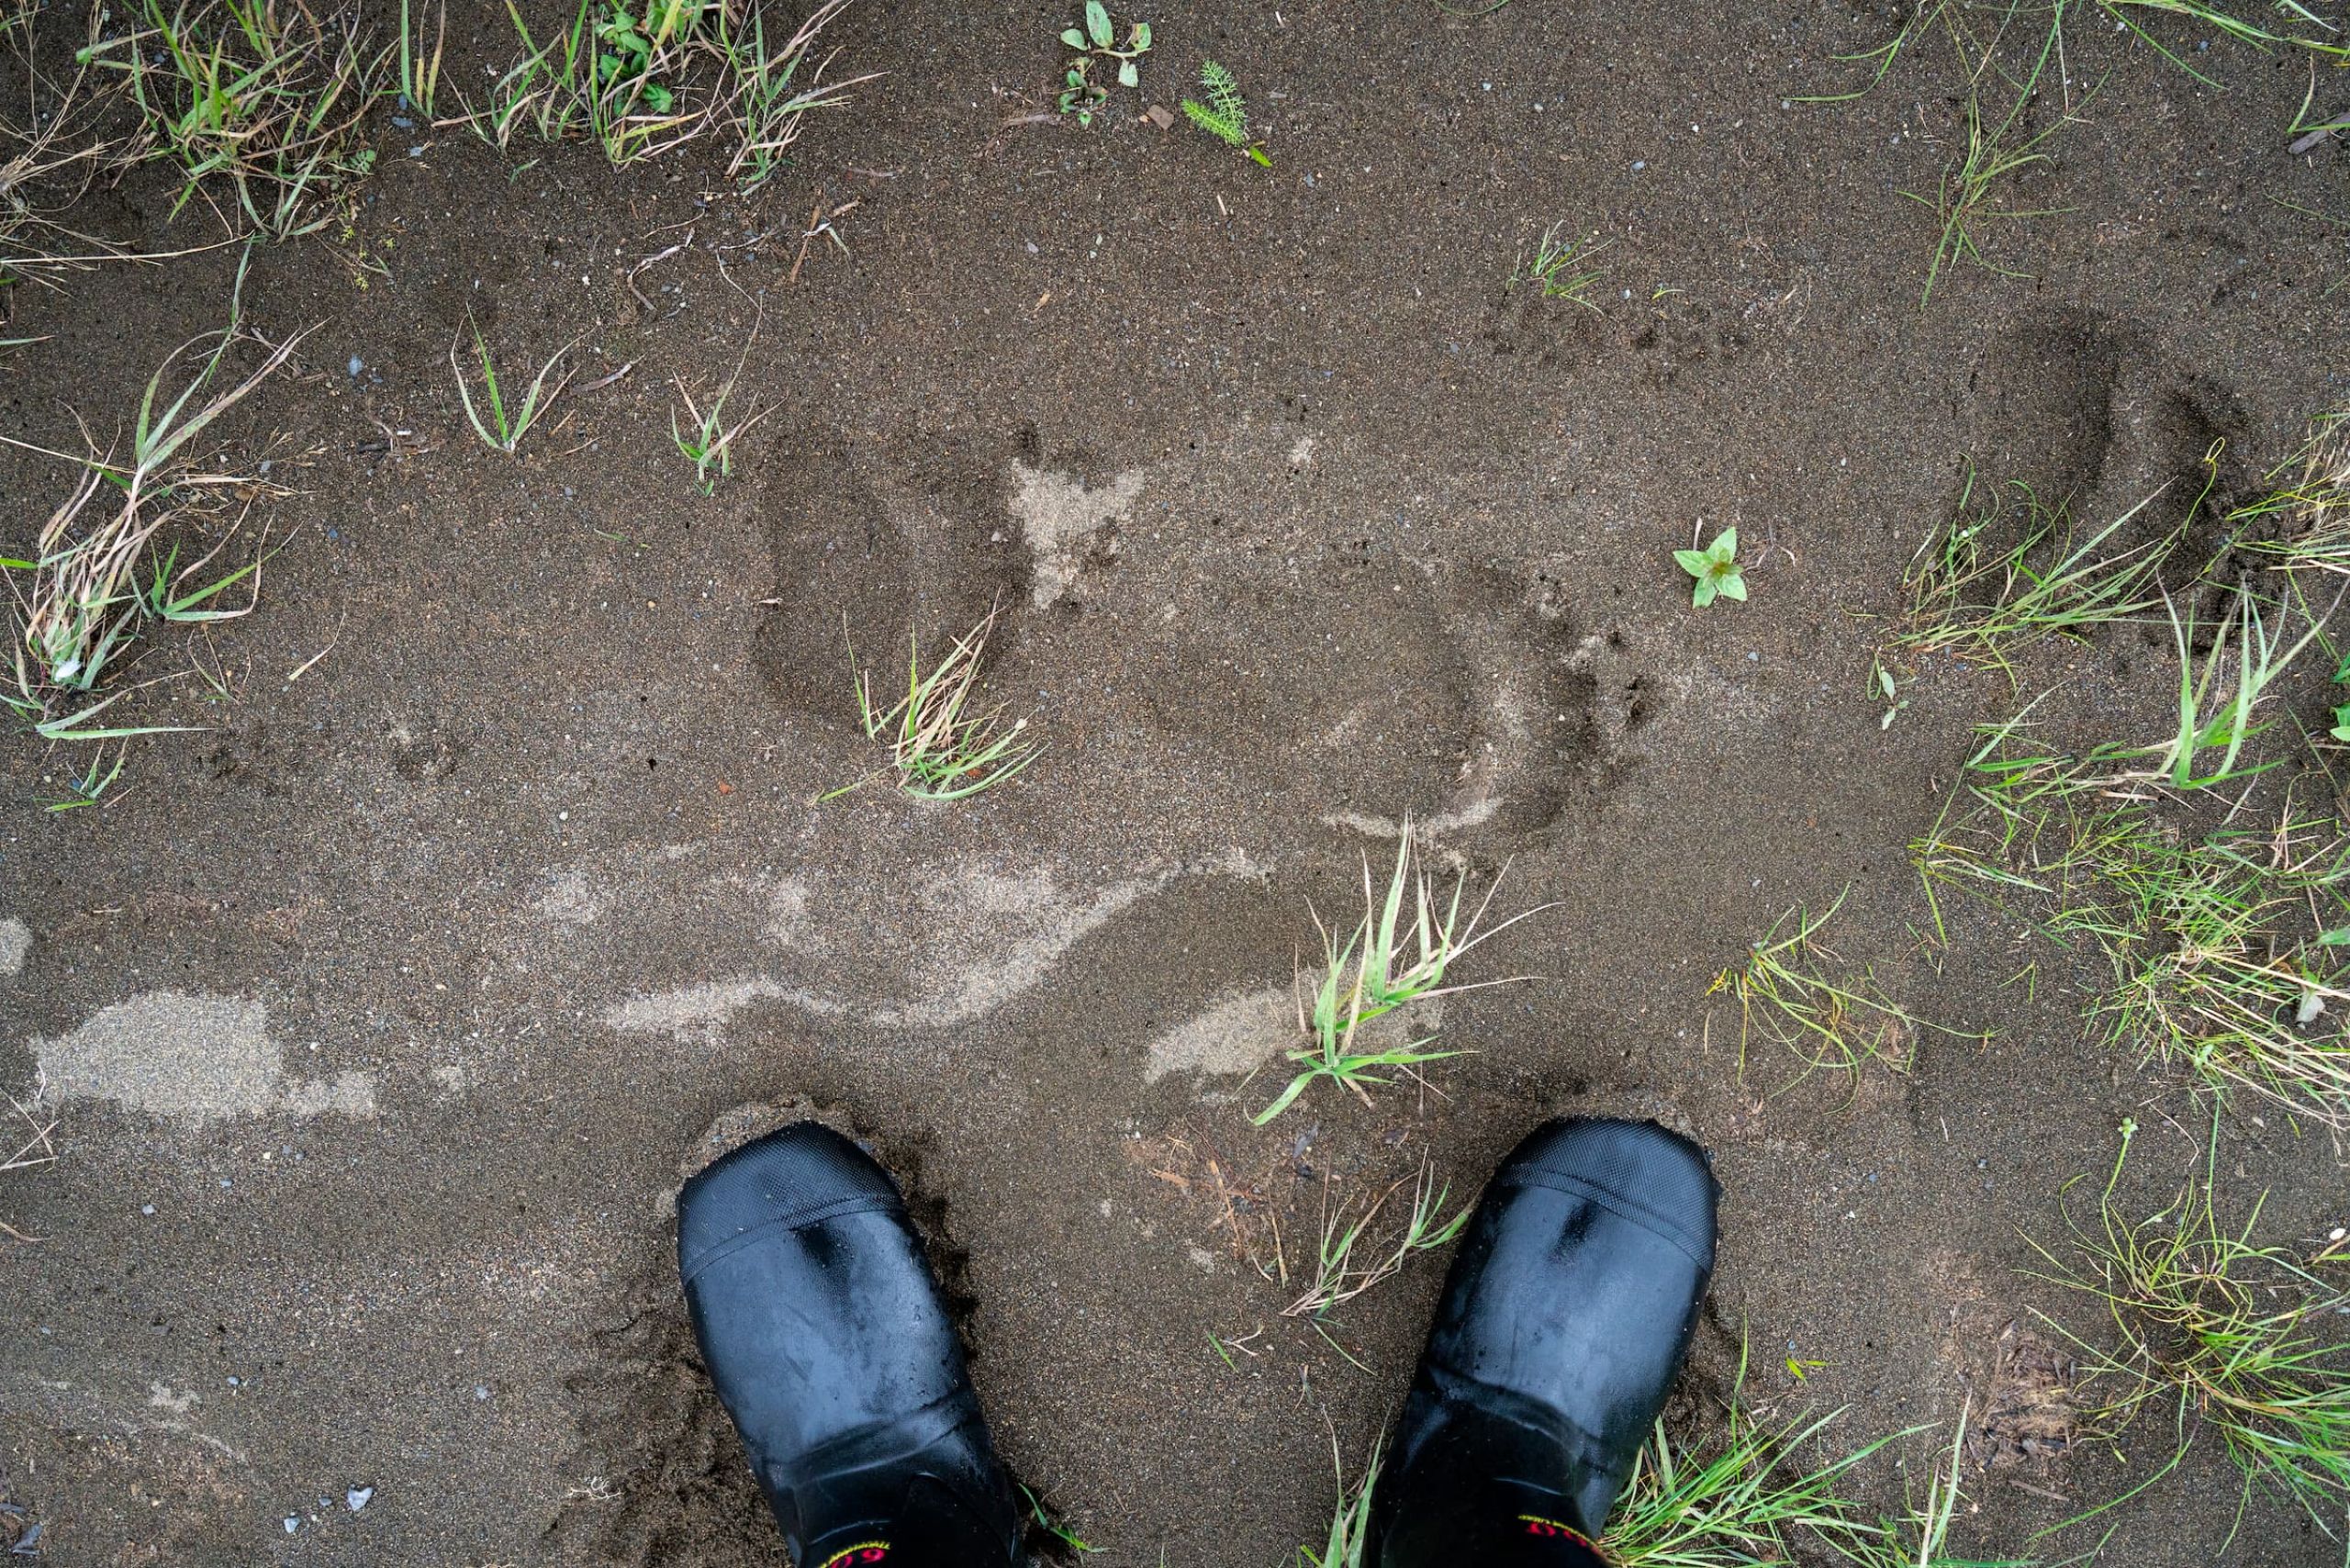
point(823, 1332)
point(1562, 1323)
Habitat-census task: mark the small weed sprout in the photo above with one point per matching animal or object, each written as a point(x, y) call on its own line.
point(1053, 1527)
point(940, 747)
point(504, 429)
point(708, 441)
point(1080, 95)
point(1225, 114)
point(1382, 963)
point(2241, 1337)
point(89, 787)
point(1716, 569)
point(1563, 269)
point(1339, 1275)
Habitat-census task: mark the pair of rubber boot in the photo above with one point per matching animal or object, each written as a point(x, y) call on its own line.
point(1565, 1316)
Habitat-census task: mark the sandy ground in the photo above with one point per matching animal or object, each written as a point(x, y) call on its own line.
point(377, 1016)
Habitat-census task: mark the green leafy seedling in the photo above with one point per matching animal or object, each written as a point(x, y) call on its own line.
point(1716, 568)
point(1097, 40)
point(1225, 114)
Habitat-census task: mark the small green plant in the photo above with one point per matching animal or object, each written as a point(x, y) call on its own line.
point(1381, 965)
point(1096, 41)
point(1563, 269)
point(708, 445)
point(941, 748)
point(1053, 1527)
point(2232, 1335)
point(504, 429)
point(1225, 114)
point(1716, 569)
point(1339, 1275)
point(1350, 1524)
point(89, 787)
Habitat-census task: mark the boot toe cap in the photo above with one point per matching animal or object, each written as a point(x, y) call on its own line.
point(1647, 1171)
point(794, 1176)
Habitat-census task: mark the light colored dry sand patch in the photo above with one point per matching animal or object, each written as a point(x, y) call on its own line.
point(190, 1057)
point(1244, 1030)
point(702, 1010)
point(571, 899)
point(995, 938)
point(1057, 514)
point(16, 945)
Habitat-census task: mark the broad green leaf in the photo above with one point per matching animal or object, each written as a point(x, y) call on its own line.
point(1128, 75)
point(1072, 38)
point(1097, 23)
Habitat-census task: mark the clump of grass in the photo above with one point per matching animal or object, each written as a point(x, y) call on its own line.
point(420, 78)
point(941, 748)
point(643, 80)
point(2312, 504)
point(1563, 269)
point(504, 428)
point(1340, 1275)
point(2226, 948)
point(255, 102)
point(2242, 1337)
point(1963, 201)
point(1968, 600)
point(48, 162)
point(1384, 962)
point(1744, 1498)
point(80, 602)
point(2219, 701)
point(1837, 1026)
point(1920, 1539)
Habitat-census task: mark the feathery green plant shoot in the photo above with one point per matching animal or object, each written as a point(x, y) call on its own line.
point(1385, 963)
point(2248, 1340)
point(1716, 568)
point(940, 748)
point(1225, 114)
